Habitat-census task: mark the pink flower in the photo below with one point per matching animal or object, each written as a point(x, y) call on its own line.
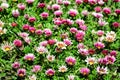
point(110, 59)
point(101, 22)
point(99, 45)
point(73, 12)
point(31, 19)
point(98, 9)
point(43, 43)
point(55, 7)
point(29, 57)
point(39, 32)
point(107, 10)
point(97, 15)
point(50, 72)
point(23, 34)
point(80, 22)
point(27, 40)
point(71, 77)
point(80, 35)
point(41, 50)
point(70, 60)
point(100, 32)
point(102, 70)
point(101, 2)
point(21, 6)
point(30, 1)
point(113, 53)
point(41, 5)
point(15, 13)
point(36, 68)
point(47, 32)
point(25, 26)
point(73, 30)
point(80, 46)
point(66, 3)
point(51, 42)
point(83, 27)
point(84, 71)
point(83, 52)
point(116, 24)
point(67, 42)
point(49, 7)
point(26, 16)
point(17, 43)
point(57, 22)
point(44, 15)
point(58, 13)
point(117, 11)
point(16, 65)
point(59, 1)
point(79, 1)
point(32, 29)
point(21, 72)
point(102, 61)
point(105, 52)
point(92, 2)
point(85, 12)
point(116, 0)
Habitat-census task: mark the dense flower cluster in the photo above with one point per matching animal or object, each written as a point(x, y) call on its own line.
point(60, 39)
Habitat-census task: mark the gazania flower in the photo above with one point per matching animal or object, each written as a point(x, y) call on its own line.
point(21, 72)
point(102, 70)
point(110, 36)
point(90, 60)
point(41, 50)
point(62, 69)
point(84, 71)
point(99, 45)
point(7, 46)
point(70, 60)
point(71, 77)
point(61, 45)
point(16, 65)
point(83, 52)
point(36, 68)
point(110, 59)
point(73, 12)
point(50, 58)
point(33, 77)
point(2, 31)
point(50, 72)
point(29, 57)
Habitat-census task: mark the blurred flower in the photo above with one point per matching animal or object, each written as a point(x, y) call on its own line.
point(78, 1)
point(70, 60)
point(29, 57)
point(15, 13)
point(85, 12)
point(51, 41)
point(73, 12)
point(98, 9)
point(43, 43)
point(55, 7)
point(100, 32)
point(61, 45)
point(7, 46)
point(1, 23)
point(21, 72)
point(117, 11)
point(50, 72)
point(25, 26)
point(2, 31)
point(107, 10)
point(33, 77)
point(110, 59)
point(41, 50)
point(21, 6)
point(99, 45)
point(41, 5)
point(50, 58)
point(66, 2)
point(58, 13)
point(39, 32)
point(67, 42)
point(102, 70)
point(90, 60)
point(92, 1)
point(47, 32)
point(116, 24)
point(16, 65)
point(110, 36)
point(83, 52)
point(71, 77)
point(36, 68)
point(44, 15)
point(97, 15)
point(30, 1)
point(62, 69)
point(101, 22)
point(17, 43)
point(31, 19)
point(113, 53)
point(73, 30)
point(80, 22)
point(84, 71)
point(4, 5)
point(27, 40)
point(80, 46)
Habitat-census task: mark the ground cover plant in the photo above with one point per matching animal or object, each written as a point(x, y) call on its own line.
point(59, 39)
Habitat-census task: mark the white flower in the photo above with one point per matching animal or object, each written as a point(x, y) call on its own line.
point(2, 31)
point(110, 36)
point(41, 50)
point(7, 46)
point(102, 70)
point(61, 45)
point(50, 57)
point(4, 5)
point(33, 77)
point(71, 77)
point(91, 60)
point(1, 24)
point(62, 69)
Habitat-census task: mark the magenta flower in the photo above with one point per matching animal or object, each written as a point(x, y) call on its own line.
point(32, 29)
point(58, 13)
point(36, 68)
point(80, 22)
point(83, 52)
point(107, 10)
point(113, 53)
point(15, 13)
point(30, 1)
point(51, 42)
point(31, 19)
point(39, 32)
point(73, 12)
point(21, 6)
point(16, 65)
point(99, 45)
point(80, 46)
point(67, 42)
point(29, 57)
point(100, 32)
point(110, 59)
point(98, 9)
point(117, 11)
point(41, 5)
point(23, 34)
point(84, 71)
point(57, 22)
point(55, 7)
point(70, 60)
point(47, 32)
point(50, 72)
point(80, 35)
point(116, 24)
point(44, 15)
point(26, 27)
point(102, 61)
point(43, 43)
point(92, 2)
point(73, 30)
point(66, 3)
point(21, 72)
point(79, 1)
point(17, 43)
point(83, 27)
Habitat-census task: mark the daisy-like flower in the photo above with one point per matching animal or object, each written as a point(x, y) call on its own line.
point(7, 46)
point(71, 77)
point(101, 22)
point(110, 36)
point(90, 60)
point(62, 69)
point(84, 71)
point(33, 77)
point(1, 23)
point(102, 70)
point(99, 45)
point(2, 31)
point(4, 5)
point(70, 60)
point(50, 72)
point(61, 45)
point(21, 72)
point(29, 57)
point(50, 58)
point(41, 50)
